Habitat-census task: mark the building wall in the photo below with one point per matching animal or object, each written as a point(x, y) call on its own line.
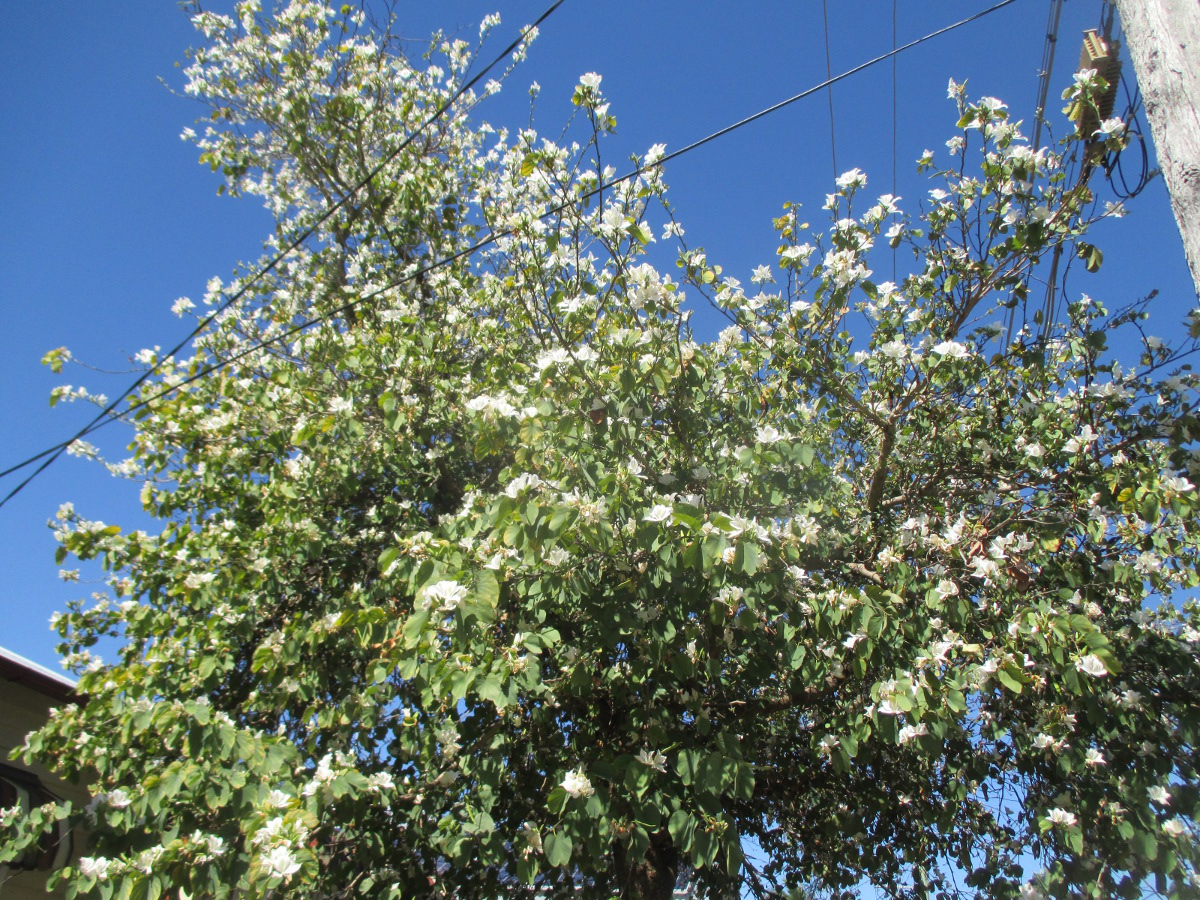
point(24, 709)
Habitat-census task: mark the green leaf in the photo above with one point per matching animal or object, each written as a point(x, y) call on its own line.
point(557, 800)
point(681, 826)
point(492, 689)
point(487, 588)
point(686, 764)
point(643, 234)
point(558, 848)
point(747, 558)
point(1006, 679)
point(387, 557)
point(1091, 256)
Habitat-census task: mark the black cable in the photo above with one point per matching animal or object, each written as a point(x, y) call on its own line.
point(1113, 162)
point(1044, 72)
point(282, 254)
point(492, 238)
point(895, 126)
point(829, 79)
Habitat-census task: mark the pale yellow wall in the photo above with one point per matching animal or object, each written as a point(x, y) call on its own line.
point(22, 710)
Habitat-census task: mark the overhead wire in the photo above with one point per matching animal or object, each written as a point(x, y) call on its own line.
point(1056, 291)
point(490, 239)
point(1045, 70)
point(274, 262)
point(895, 122)
point(829, 78)
point(1113, 164)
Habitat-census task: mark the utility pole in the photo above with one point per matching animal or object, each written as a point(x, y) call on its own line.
point(1163, 37)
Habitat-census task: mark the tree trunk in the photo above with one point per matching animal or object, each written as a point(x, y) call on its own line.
point(651, 878)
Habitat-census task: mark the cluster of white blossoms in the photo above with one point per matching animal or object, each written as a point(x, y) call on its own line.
point(443, 596)
point(1061, 818)
point(500, 406)
point(526, 481)
point(278, 841)
point(576, 784)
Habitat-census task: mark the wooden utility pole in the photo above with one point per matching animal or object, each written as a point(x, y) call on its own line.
point(1163, 37)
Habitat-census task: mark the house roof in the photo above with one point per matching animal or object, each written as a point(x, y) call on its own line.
point(14, 667)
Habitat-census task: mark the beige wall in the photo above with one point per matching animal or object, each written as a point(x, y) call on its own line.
point(23, 709)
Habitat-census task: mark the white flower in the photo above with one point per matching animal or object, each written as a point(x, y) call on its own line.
point(762, 275)
point(577, 784)
point(894, 349)
point(94, 867)
point(196, 580)
point(767, 434)
point(1159, 795)
point(280, 863)
point(1085, 437)
point(798, 253)
point(852, 179)
point(888, 708)
point(278, 799)
point(658, 513)
point(489, 22)
point(1110, 128)
point(844, 267)
point(520, 483)
point(946, 588)
point(117, 799)
point(181, 306)
point(558, 355)
point(909, 732)
point(887, 558)
point(591, 81)
point(1092, 665)
point(380, 781)
point(952, 349)
point(448, 594)
point(653, 759)
point(147, 858)
point(1061, 817)
point(984, 569)
point(1095, 757)
point(1174, 827)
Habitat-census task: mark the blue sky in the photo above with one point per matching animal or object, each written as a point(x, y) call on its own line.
point(108, 218)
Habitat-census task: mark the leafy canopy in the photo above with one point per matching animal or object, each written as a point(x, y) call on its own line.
point(496, 582)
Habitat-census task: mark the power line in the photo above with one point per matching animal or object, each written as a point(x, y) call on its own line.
point(829, 79)
point(308, 232)
point(1049, 47)
point(490, 239)
point(1047, 66)
point(895, 121)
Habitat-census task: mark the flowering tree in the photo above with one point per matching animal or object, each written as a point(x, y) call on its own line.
point(495, 582)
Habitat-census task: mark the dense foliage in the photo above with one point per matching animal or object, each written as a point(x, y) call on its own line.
point(495, 582)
